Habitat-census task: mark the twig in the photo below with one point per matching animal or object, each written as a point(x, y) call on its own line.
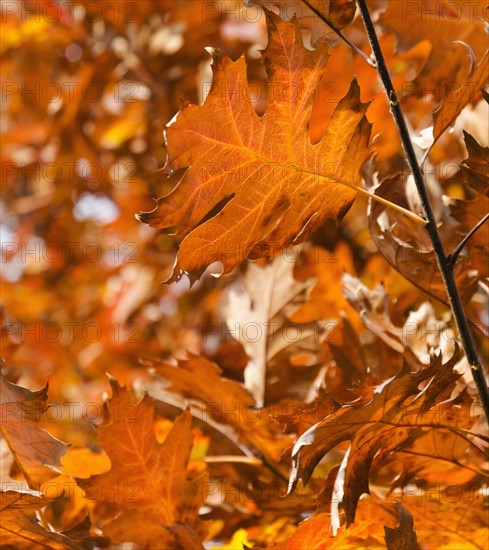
point(441, 258)
point(452, 258)
point(340, 34)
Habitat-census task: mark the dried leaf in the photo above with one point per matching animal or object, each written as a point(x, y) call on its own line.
point(373, 517)
point(402, 537)
point(258, 307)
point(469, 211)
point(377, 426)
point(146, 492)
point(421, 336)
point(372, 305)
point(20, 528)
point(476, 165)
point(256, 185)
point(224, 401)
point(468, 92)
point(339, 13)
point(36, 452)
point(455, 519)
point(406, 246)
point(442, 23)
point(326, 268)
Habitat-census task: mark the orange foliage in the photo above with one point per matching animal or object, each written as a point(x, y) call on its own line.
point(313, 394)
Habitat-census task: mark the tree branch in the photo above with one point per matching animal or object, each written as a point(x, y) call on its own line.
point(443, 264)
point(452, 258)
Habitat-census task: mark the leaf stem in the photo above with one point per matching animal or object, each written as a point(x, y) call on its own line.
point(335, 179)
point(385, 202)
point(444, 265)
point(452, 258)
point(400, 209)
point(235, 459)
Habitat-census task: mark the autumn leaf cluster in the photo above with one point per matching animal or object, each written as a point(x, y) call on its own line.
point(298, 382)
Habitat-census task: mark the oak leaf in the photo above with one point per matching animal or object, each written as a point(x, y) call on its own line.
point(326, 268)
point(443, 23)
point(146, 492)
point(373, 308)
point(473, 175)
point(456, 513)
point(20, 528)
point(440, 455)
point(402, 537)
point(256, 184)
point(379, 523)
point(377, 425)
point(222, 401)
point(407, 248)
point(421, 335)
point(259, 307)
point(476, 165)
point(468, 91)
point(36, 452)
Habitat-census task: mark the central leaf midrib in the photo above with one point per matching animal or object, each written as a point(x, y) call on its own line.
point(273, 162)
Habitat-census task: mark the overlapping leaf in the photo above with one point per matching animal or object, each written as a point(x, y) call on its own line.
point(146, 492)
point(378, 524)
point(469, 211)
point(36, 452)
point(20, 528)
point(376, 426)
point(327, 268)
point(407, 248)
point(422, 334)
point(457, 522)
point(258, 308)
point(469, 91)
point(257, 184)
point(444, 24)
point(62, 143)
point(226, 402)
point(310, 14)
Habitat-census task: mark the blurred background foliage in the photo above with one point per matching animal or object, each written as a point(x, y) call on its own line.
point(87, 88)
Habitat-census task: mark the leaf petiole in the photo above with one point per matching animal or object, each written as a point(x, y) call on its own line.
point(400, 209)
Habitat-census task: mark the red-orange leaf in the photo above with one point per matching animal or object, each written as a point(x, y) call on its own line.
point(377, 520)
point(224, 401)
point(146, 488)
point(378, 428)
point(257, 184)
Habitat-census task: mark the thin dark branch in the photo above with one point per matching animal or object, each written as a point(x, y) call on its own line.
point(441, 258)
point(452, 258)
point(340, 34)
